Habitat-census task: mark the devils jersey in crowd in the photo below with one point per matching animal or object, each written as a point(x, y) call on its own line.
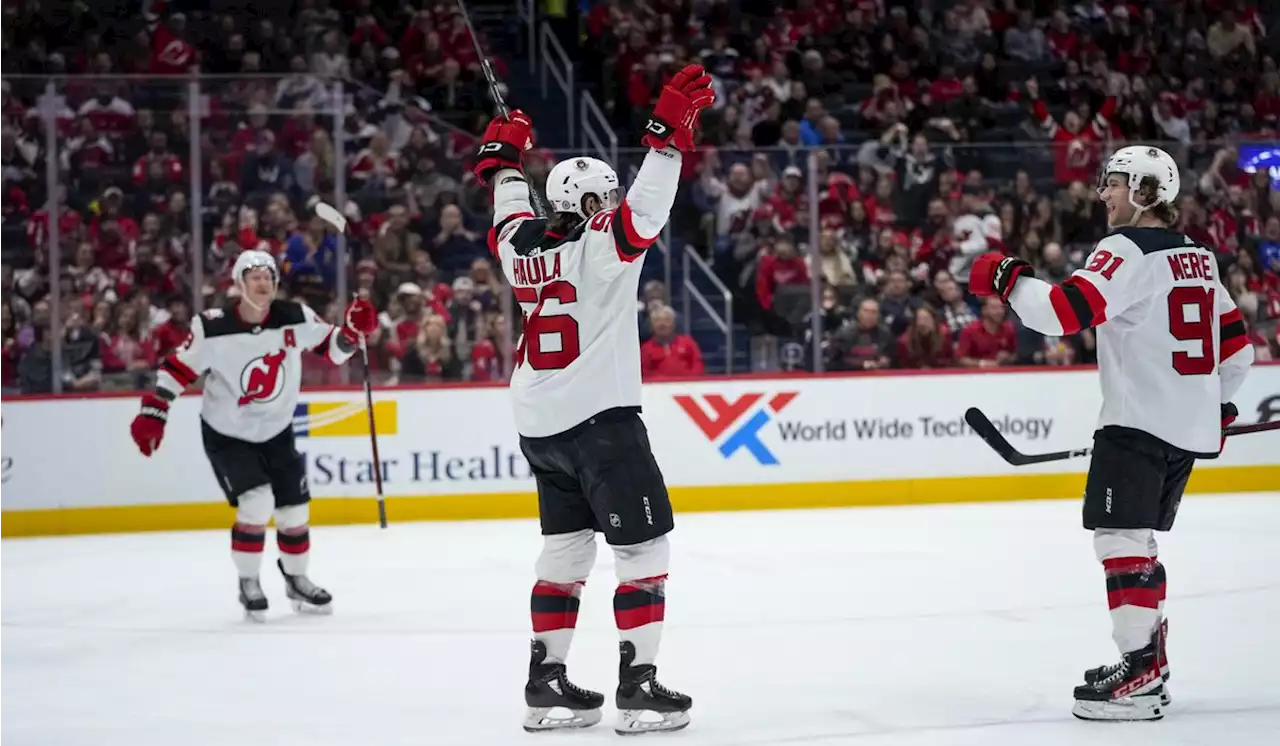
point(579, 354)
point(255, 370)
point(1171, 342)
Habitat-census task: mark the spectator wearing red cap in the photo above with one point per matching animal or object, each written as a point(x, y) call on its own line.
point(989, 341)
point(667, 354)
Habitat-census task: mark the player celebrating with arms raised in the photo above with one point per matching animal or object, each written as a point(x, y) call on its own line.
point(576, 394)
point(252, 351)
point(1171, 354)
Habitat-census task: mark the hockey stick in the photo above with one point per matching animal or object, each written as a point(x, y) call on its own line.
point(539, 209)
point(988, 432)
point(333, 217)
point(373, 434)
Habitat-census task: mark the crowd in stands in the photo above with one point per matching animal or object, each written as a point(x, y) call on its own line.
point(944, 130)
point(933, 130)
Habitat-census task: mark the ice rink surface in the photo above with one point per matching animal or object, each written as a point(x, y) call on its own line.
point(964, 624)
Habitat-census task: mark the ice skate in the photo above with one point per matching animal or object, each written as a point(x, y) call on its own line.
point(1131, 691)
point(253, 600)
point(644, 705)
point(1101, 672)
point(549, 690)
point(307, 597)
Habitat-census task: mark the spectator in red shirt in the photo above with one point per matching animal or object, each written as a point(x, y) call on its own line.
point(781, 267)
point(989, 341)
point(487, 363)
point(926, 343)
point(172, 333)
point(129, 349)
point(667, 354)
point(410, 323)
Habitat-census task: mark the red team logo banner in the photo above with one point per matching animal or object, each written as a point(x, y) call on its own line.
point(725, 414)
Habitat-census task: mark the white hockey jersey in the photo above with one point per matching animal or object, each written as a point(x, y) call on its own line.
point(255, 370)
point(579, 354)
point(1171, 342)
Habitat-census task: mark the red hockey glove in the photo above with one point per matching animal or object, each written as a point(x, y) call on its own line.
point(674, 118)
point(1229, 415)
point(148, 427)
point(503, 143)
point(361, 319)
point(994, 274)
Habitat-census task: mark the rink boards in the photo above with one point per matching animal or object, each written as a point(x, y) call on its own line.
point(69, 465)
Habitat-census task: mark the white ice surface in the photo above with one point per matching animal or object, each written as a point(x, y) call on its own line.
point(955, 625)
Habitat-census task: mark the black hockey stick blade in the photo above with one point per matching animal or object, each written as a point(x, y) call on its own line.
point(983, 426)
point(988, 432)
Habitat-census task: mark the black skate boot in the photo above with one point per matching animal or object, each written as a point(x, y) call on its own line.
point(253, 600)
point(307, 597)
point(639, 693)
point(549, 688)
point(1132, 690)
point(1101, 672)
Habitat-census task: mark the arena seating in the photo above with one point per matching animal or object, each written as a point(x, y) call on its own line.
point(911, 122)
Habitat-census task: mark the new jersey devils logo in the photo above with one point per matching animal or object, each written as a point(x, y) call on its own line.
point(261, 380)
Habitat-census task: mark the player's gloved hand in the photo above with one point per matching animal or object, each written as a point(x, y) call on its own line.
point(505, 139)
point(994, 274)
point(148, 427)
point(682, 99)
point(1229, 415)
point(360, 320)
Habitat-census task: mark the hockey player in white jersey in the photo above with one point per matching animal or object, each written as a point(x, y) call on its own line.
point(1171, 354)
point(576, 394)
point(252, 351)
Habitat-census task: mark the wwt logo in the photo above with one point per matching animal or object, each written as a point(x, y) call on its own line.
point(736, 421)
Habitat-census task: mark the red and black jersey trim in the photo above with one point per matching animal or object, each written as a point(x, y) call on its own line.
point(181, 373)
point(322, 349)
point(1078, 305)
point(1232, 332)
point(497, 229)
point(631, 245)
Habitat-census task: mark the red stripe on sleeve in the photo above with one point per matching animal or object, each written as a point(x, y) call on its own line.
point(1097, 304)
point(180, 371)
point(322, 349)
point(1231, 346)
point(493, 232)
point(635, 240)
point(1062, 309)
point(1230, 317)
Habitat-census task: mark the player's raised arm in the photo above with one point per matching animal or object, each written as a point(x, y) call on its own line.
point(337, 344)
point(1107, 285)
point(669, 132)
point(178, 370)
point(498, 164)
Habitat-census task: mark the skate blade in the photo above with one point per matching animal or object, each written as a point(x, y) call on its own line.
point(303, 607)
point(540, 719)
point(633, 722)
point(258, 617)
point(1141, 707)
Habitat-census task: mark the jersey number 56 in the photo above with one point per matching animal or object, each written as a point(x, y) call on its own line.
point(536, 325)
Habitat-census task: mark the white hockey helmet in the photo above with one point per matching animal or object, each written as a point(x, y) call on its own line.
point(1138, 162)
point(574, 178)
point(250, 260)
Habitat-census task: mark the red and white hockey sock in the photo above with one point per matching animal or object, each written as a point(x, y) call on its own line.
point(639, 607)
point(1135, 593)
point(295, 548)
point(554, 610)
point(246, 548)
